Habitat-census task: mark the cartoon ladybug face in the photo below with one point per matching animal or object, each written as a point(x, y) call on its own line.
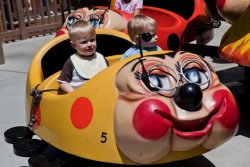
point(98, 18)
point(172, 102)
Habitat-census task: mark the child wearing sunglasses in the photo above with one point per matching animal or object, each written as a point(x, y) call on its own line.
point(129, 6)
point(86, 62)
point(142, 30)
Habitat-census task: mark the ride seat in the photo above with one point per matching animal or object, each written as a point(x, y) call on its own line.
point(109, 43)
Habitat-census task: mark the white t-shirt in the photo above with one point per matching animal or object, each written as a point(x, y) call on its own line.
point(78, 70)
point(129, 7)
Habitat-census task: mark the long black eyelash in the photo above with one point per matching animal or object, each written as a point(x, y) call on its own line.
point(140, 76)
point(178, 67)
point(137, 75)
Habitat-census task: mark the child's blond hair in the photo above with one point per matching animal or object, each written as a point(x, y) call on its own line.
point(81, 29)
point(138, 24)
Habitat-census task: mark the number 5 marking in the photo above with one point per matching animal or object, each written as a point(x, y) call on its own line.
point(104, 137)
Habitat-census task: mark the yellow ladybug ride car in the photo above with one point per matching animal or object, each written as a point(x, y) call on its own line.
point(151, 108)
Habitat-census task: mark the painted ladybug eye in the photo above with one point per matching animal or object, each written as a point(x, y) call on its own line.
point(194, 75)
point(196, 72)
point(71, 20)
point(94, 20)
point(160, 78)
point(160, 82)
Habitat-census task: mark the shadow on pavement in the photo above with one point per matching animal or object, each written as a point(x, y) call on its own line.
point(196, 161)
point(244, 106)
point(237, 80)
point(203, 50)
point(60, 159)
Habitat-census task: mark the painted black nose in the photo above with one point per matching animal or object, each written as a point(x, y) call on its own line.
point(188, 97)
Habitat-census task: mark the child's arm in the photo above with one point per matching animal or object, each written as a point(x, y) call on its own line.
point(66, 76)
point(137, 11)
point(117, 5)
point(138, 8)
point(66, 87)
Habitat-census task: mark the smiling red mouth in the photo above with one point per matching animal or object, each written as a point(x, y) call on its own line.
point(153, 119)
point(189, 125)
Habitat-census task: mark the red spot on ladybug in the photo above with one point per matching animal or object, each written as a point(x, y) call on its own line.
point(81, 113)
point(221, 3)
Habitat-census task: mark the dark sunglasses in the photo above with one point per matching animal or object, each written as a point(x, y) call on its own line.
point(146, 37)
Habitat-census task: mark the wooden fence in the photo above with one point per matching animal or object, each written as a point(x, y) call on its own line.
point(26, 18)
point(21, 19)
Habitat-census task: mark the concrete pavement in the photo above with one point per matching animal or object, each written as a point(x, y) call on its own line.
point(18, 56)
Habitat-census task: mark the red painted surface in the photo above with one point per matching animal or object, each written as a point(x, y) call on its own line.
point(152, 118)
point(229, 114)
point(148, 122)
point(221, 3)
point(81, 113)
